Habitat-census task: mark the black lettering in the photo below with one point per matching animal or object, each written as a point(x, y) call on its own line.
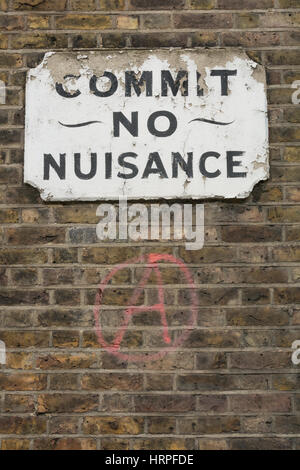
point(172, 121)
point(59, 168)
point(108, 166)
point(202, 166)
point(224, 74)
point(178, 160)
point(113, 85)
point(132, 126)
point(154, 158)
point(77, 167)
point(181, 81)
point(62, 92)
point(122, 162)
point(231, 164)
point(131, 80)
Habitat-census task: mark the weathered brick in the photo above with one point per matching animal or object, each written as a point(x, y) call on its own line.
point(156, 21)
point(159, 40)
point(247, 20)
point(22, 425)
point(254, 403)
point(59, 360)
point(251, 39)
point(42, 5)
point(99, 255)
point(66, 443)
point(203, 20)
point(38, 22)
point(15, 444)
point(112, 381)
point(112, 425)
point(39, 40)
point(251, 234)
point(164, 403)
point(65, 339)
point(11, 22)
point(288, 4)
point(82, 5)
point(210, 425)
point(127, 22)
point(260, 444)
point(18, 403)
point(246, 5)
point(94, 21)
point(23, 381)
point(163, 444)
point(82, 41)
point(63, 425)
point(64, 381)
point(157, 4)
point(9, 216)
point(25, 339)
point(24, 297)
point(259, 361)
point(66, 403)
point(257, 316)
point(11, 60)
point(23, 256)
point(283, 57)
point(161, 425)
point(34, 236)
point(212, 403)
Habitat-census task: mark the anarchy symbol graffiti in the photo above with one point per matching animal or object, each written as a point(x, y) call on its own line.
point(152, 264)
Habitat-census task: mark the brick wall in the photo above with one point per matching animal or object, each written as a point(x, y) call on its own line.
point(232, 384)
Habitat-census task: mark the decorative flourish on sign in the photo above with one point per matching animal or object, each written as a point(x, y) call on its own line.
point(81, 124)
point(151, 261)
point(209, 121)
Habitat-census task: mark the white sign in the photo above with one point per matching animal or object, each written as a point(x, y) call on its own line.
point(146, 124)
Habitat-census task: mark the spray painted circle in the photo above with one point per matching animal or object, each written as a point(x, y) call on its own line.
point(151, 263)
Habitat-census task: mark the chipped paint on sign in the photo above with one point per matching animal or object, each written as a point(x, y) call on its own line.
point(146, 124)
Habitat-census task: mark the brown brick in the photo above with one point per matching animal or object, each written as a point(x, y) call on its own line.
point(112, 381)
point(213, 444)
point(251, 234)
point(214, 254)
point(63, 425)
point(111, 5)
point(11, 60)
point(18, 403)
point(82, 41)
point(34, 236)
point(94, 21)
point(164, 403)
point(159, 40)
point(159, 382)
point(212, 403)
point(24, 297)
point(65, 339)
point(286, 382)
point(280, 95)
point(251, 39)
point(67, 361)
point(11, 22)
point(42, 5)
point(79, 214)
point(23, 381)
point(64, 381)
point(267, 194)
point(207, 39)
point(3, 5)
point(25, 339)
point(114, 40)
point(260, 443)
point(257, 316)
point(288, 4)
point(39, 40)
point(259, 361)
point(210, 425)
point(266, 403)
point(82, 5)
point(99, 255)
point(292, 154)
point(65, 255)
point(287, 295)
point(203, 20)
point(247, 20)
point(15, 444)
point(284, 214)
point(157, 4)
point(285, 174)
point(156, 21)
point(283, 57)
point(22, 425)
point(66, 403)
point(221, 382)
point(23, 256)
point(161, 425)
point(66, 443)
point(112, 425)
point(246, 5)
point(9, 216)
point(256, 295)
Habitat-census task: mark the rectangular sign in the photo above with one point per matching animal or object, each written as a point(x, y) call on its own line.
point(186, 123)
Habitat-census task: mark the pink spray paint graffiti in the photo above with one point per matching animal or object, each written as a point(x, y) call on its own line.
point(151, 263)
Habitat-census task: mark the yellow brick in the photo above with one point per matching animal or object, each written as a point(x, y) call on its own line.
point(3, 41)
point(38, 22)
point(84, 22)
point(127, 22)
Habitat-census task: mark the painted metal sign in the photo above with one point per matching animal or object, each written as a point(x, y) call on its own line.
point(146, 124)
